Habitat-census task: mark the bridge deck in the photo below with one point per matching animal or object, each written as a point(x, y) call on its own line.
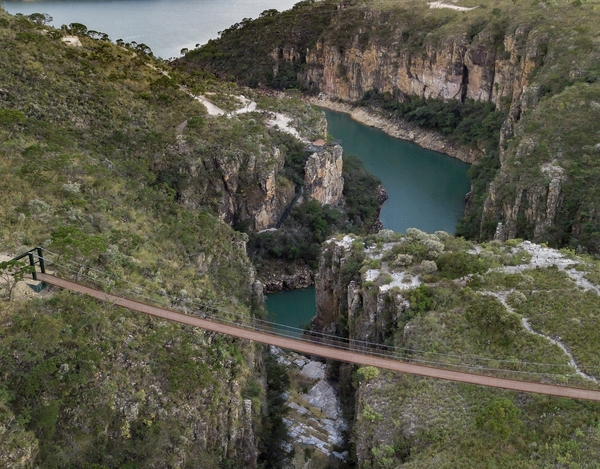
point(326, 351)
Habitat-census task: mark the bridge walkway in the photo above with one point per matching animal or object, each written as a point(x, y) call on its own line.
point(325, 351)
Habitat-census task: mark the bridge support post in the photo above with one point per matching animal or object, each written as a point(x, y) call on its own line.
point(32, 264)
point(40, 256)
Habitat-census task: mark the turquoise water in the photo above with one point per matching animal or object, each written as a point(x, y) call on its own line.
point(293, 308)
point(166, 26)
point(426, 189)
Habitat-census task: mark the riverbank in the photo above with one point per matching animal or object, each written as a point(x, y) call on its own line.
point(399, 129)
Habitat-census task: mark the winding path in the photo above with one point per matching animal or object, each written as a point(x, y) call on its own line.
point(325, 351)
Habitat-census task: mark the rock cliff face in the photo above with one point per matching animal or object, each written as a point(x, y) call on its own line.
point(510, 68)
point(323, 179)
point(515, 56)
point(426, 296)
point(250, 189)
point(452, 68)
point(492, 66)
point(368, 306)
point(247, 188)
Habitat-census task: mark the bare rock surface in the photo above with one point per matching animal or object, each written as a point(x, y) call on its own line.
point(315, 419)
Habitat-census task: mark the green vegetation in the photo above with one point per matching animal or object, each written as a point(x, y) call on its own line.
point(471, 123)
point(118, 173)
point(560, 138)
point(311, 223)
point(541, 62)
point(457, 319)
point(233, 55)
point(89, 381)
point(274, 432)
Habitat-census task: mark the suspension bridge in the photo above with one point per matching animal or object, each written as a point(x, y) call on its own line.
point(340, 349)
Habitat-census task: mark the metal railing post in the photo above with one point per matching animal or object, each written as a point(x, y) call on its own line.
point(41, 259)
point(32, 264)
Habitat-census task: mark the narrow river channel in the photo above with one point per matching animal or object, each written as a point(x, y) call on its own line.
point(426, 190)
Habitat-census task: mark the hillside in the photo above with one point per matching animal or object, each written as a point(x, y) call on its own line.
point(87, 135)
point(512, 309)
point(517, 82)
point(115, 167)
point(113, 164)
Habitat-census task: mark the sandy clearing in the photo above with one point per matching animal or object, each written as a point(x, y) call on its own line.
point(451, 7)
point(212, 109)
point(283, 123)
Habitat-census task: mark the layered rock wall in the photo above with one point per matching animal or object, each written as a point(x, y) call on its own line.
point(454, 68)
point(323, 179)
point(252, 190)
point(246, 188)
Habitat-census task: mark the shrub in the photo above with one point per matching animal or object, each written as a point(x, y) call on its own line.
point(492, 320)
point(367, 373)
point(500, 417)
point(458, 264)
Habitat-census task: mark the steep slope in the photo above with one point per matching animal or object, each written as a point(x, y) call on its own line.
point(469, 75)
point(94, 159)
point(517, 310)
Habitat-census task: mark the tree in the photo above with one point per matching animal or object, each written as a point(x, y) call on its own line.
point(26, 37)
point(11, 273)
point(78, 29)
point(98, 35)
point(143, 49)
point(41, 19)
point(71, 240)
point(9, 118)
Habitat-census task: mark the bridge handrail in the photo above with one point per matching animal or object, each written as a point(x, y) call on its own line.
point(30, 254)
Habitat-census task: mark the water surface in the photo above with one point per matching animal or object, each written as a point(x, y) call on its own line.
point(426, 189)
point(293, 308)
point(166, 26)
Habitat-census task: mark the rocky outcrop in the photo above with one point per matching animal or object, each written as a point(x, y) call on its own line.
point(368, 301)
point(247, 189)
point(314, 417)
point(536, 205)
point(323, 179)
point(250, 190)
point(279, 279)
point(331, 290)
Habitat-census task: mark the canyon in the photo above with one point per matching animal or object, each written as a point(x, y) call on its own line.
point(527, 61)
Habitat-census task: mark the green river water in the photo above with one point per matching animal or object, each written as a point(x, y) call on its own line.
point(426, 190)
point(294, 308)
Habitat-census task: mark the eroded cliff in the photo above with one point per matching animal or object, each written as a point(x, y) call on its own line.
point(440, 301)
point(424, 65)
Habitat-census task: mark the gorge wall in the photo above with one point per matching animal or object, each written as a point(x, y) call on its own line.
point(517, 56)
point(504, 66)
point(252, 188)
point(444, 302)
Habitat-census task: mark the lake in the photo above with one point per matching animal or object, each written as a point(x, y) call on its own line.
point(166, 26)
